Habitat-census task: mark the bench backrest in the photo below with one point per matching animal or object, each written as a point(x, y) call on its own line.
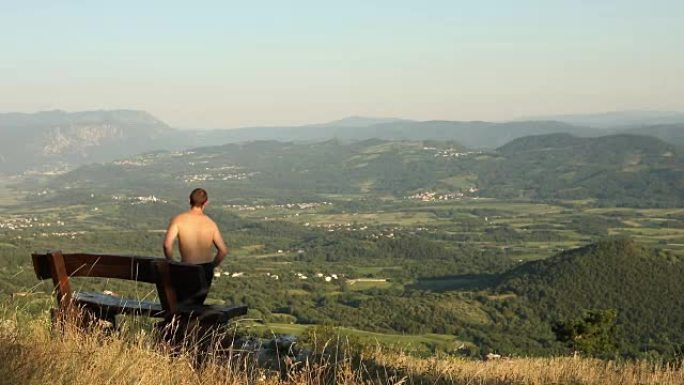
point(60, 267)
point(168, 276)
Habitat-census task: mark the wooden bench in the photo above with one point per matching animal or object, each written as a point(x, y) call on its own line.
point(167, 276)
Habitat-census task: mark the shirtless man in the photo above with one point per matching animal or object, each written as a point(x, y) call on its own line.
point(197, 236)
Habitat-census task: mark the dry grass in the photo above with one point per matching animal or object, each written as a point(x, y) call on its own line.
point(30, 353)
point(531, 371)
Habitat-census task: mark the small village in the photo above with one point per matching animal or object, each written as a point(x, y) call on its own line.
point(192, 178)
point(289, 206)
point(142, 199)
point(450, 152)
point(14, 223)
point(429, 196)
point(318, 276)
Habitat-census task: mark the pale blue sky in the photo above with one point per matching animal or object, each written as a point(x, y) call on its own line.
point(229, 64)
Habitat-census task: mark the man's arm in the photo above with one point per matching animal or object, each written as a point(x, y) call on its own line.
point(221, 248)
point(171, 234)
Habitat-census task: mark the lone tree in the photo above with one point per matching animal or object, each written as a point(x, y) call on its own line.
point(593, 333)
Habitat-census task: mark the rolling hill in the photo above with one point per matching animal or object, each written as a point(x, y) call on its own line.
point(614, 170)
point(623, 169)
point(671, 133)
point(644, 285)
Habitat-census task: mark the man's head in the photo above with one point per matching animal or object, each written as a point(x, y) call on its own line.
point(198, 197)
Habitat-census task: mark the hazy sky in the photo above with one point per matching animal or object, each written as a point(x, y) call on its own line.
point(201, 64)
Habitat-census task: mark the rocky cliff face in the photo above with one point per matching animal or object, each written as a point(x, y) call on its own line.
point(45, 139)
point(78, 139)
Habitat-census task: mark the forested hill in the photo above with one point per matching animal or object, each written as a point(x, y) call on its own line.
point(671, 133)
point(629, 170)
point(618, 170)
point(644, 285)
point(601, 149)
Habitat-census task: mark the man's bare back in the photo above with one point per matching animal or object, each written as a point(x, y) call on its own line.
point(197, 236)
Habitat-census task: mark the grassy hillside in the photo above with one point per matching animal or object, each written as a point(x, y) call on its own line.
point(31, 355)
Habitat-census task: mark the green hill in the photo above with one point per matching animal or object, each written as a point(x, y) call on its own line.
point(617, 169)
point(644, 285)
point(672, 133)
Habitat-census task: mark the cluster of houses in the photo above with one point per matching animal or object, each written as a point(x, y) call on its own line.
point(142, 199)
point(303, 205)
point(176, 154)
point(289, 206)
point(236, 274)
point(332, 227)
point(246, 207)
point(63, 234)
point(147, 159)
point(298, 275)
point(381, 235)
point(21, 223)
point(428, 196)
point(49, 171)
point(450, 152)
point(43, 192)
point(137, 162)
point(219, 176)
point(389, 232)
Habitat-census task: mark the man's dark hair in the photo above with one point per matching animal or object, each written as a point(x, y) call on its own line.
point(198, 197)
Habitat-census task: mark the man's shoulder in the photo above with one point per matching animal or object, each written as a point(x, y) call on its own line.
point(210, 221)
point(181, 217)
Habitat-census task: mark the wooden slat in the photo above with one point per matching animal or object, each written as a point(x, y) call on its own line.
point(111, 266)
point(166, 291)
point(41, 265)
point(110, 304)
point(215, 314)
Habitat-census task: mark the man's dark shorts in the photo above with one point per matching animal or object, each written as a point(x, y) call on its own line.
point(192, 291)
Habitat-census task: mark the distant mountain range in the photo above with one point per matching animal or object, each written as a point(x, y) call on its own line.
point(53, 139)
point(618, 119)
point(470, 134)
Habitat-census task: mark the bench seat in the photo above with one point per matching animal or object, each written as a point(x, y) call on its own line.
point(213, 314)
point(109, 304)
point(106, 304)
